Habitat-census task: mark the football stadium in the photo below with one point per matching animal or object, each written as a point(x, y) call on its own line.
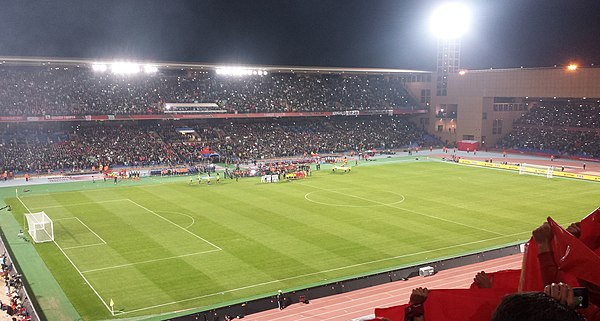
point(156, 190)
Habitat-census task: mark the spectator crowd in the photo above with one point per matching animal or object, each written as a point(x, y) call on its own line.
point(40, 91)
point(570, 128)
point(45, 147)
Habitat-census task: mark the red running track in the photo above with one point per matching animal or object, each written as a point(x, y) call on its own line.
point(360, 303)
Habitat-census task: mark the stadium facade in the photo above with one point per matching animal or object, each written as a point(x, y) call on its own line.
point(482, 105)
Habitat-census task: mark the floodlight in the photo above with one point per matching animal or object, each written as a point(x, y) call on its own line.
point(149, 69)
point(450, 21)
point(462, 72)
point(124, 68)
point(572, 67)
point(99, 67)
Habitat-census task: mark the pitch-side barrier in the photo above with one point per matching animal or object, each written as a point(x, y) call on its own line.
point(513, 167)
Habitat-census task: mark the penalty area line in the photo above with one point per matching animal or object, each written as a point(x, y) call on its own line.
point(80, 204)
point(149, 261)
point(179, 226)
point(71, 261)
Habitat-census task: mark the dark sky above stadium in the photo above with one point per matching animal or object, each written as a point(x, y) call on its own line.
point(345, 33)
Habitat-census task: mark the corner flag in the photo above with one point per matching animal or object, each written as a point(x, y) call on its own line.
point(112, 309)
point(112, 303)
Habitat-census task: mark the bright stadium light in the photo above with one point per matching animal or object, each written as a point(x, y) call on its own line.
point(150, 69)
point(239, 71)
point(450, 20)
point(572, 67)
point(99, 67)
point(124, 68)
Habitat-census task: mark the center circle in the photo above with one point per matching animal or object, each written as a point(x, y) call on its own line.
point(339, 198)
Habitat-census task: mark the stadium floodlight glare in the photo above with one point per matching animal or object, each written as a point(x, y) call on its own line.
point(450, 20)
point(150, 69)
point(99, 67)
point(572, 67)
point(239, 71)
point(124, 68)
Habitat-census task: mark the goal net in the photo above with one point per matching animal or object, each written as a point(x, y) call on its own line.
point(40, 227)
point(539, 170)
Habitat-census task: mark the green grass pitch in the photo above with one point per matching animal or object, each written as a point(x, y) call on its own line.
point(163, 245)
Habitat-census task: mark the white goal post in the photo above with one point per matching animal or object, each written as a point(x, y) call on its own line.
point(40, 227)
point(540, 170)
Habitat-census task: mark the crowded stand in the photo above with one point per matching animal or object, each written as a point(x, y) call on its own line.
point(571, 113)
point(49, 147)
point(43, 91)
point(564, 128)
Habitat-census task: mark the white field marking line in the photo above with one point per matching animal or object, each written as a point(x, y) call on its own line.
point(186, 230)
point(193, 220)
point(355, 206)
point(78, 204)
point(411, 211)
point(71, 261)
point(98, 236)
point(149, 261)
point(320, 272)
point(80, 246)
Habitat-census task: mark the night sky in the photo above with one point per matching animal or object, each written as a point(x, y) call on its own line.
point(342, 33)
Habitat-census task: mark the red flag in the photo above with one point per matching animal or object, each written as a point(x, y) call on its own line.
point(503, 279)
point(572, 256)
point(463, 304)
point(531, 278)
point(590, 230)
point(395, 313)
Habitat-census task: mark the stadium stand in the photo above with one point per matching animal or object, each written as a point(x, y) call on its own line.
point(563, 128)
point(50, 147)
point(41, 91)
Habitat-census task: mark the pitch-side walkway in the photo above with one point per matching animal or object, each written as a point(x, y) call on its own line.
point(361, 303)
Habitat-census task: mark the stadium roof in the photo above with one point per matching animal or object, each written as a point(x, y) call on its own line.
point(42, 61)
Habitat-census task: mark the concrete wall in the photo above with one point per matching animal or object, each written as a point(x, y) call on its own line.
point(474, 93)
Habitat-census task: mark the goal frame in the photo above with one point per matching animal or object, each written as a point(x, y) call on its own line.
point(40, 227)
point(538, 170)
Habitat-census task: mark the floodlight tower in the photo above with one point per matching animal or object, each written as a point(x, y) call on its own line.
point(448, 23)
